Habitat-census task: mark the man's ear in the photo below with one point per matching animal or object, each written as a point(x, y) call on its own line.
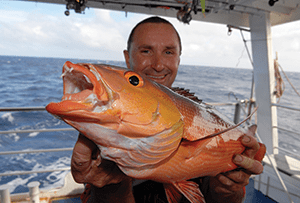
point(127, 58)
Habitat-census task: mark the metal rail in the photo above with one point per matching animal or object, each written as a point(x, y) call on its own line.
point(286, 107)
point(222, 104)
point(16, 173)
point(273, 164)
point(37, 130)
point(283, 129)
point(270, 186)
point(36, 151)
point(287, 151)
point(38, 108)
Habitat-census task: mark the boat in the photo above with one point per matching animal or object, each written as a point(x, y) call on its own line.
point(280, 181)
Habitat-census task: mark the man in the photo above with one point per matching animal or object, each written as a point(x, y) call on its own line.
point(154, 50)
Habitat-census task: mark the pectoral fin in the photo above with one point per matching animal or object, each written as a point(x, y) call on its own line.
point(189, 189)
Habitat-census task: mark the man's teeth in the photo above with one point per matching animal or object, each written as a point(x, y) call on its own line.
point(156, 77)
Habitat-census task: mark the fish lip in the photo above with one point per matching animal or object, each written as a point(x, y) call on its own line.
point(83, 84)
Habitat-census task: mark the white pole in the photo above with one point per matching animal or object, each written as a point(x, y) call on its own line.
point(34, 192)
point(4, 193)
point(264, 79)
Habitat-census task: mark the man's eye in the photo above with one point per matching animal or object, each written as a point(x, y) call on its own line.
point(145, 51)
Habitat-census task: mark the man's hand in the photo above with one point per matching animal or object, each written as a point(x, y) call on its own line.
point(230, 184)
point(88, 167)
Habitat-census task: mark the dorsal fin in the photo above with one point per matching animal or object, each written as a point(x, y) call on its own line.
point(186, 93)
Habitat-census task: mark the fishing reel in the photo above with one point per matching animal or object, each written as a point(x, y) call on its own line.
point(77, 5)
point(184, 14)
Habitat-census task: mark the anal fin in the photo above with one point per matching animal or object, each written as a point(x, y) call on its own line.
point(189, 189)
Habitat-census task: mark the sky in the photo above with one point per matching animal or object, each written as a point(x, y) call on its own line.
point(39, 29)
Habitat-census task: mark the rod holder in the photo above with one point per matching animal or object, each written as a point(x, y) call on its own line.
point(237, 113)
point(4, 194)
point(34, 191)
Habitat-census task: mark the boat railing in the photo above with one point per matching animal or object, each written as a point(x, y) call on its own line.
point(286, 107)
point(15, 173)
point(286, 130)
point(236, 117)
point(273, 163)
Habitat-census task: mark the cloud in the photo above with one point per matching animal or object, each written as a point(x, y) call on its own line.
point(37, 33)
point(102, 34)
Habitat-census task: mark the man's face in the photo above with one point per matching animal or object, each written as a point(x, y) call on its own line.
point(155, 52)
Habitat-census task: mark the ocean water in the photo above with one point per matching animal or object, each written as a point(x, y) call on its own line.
point(30, 82)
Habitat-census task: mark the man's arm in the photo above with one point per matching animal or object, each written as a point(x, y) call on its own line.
point(107, 182)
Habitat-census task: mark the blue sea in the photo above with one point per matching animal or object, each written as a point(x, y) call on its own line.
point(32, 82)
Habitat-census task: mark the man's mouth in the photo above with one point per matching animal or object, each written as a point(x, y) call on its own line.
point(156, 77)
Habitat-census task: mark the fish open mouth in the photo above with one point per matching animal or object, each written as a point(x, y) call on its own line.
point(83, 90)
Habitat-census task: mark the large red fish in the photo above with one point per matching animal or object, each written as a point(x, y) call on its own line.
point(149, 131)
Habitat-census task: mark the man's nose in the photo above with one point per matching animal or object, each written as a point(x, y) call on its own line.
point(157, 63)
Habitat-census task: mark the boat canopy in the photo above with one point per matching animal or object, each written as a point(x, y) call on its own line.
point(237, 12)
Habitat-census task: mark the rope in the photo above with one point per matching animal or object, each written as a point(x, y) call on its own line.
point(280, 86)
point(252, 101)
point(288, 79)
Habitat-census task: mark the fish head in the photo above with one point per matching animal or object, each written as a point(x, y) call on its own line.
point(115, 98)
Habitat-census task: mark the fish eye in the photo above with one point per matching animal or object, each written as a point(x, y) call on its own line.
point(134, 79)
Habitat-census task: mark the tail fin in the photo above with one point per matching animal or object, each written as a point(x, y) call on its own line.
point(261, 152)
point(188, 188)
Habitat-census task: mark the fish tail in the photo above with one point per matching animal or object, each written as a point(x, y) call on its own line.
point(261, 152)
point(189, 189)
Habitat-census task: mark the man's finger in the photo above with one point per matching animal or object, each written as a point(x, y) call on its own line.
point(251, 145)
point(238, 176)
point(251, 165)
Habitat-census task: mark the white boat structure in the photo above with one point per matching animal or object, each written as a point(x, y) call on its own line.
point(281, 177)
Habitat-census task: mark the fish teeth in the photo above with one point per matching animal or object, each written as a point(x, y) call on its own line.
point(91, 98)
point(76, 90)
point(67, 69)
point(63, 74)
point(100, 109)
point(95, 74)
point(87, 79)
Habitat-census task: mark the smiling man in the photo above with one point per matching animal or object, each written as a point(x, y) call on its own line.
point(154, 50)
